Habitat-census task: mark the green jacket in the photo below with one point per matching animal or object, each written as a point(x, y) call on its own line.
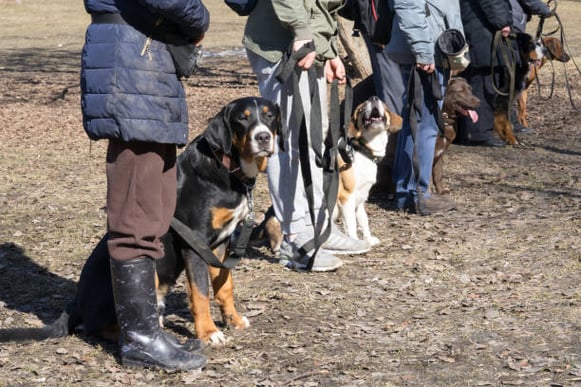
point(274, 24)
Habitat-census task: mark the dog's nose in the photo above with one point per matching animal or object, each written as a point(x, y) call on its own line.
point(263, 138)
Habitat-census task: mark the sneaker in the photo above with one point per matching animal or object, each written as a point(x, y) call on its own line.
point(291, 258)
point(339, 243)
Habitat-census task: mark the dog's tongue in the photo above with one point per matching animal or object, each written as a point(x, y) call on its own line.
point(473, 115)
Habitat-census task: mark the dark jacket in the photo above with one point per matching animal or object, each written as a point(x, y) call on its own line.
point(127, 95)
point(522, 10)
point(481, 19)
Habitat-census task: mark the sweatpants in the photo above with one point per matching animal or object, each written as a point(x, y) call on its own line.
point(285, 180)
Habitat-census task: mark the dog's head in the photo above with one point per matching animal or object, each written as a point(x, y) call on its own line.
point(531, 50)
point(245, 131)
point(372, 117)
point(555, 50)
point(459, 99)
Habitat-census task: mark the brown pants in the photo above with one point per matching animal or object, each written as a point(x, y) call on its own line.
point(141, 197)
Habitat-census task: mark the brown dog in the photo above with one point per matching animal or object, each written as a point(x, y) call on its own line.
point(458, 100)
point(554, 51)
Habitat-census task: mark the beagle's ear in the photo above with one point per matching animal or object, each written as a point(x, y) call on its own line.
point(395, 122)
point(219, 132)
point(354, 127)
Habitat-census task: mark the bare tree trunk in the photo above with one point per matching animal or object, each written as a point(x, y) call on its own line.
point(355, 50)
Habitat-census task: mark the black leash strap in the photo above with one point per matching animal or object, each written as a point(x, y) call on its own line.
point(314, 142)
point(195, 242)
point(415, 101)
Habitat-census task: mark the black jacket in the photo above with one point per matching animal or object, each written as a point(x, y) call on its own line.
point(482, 19)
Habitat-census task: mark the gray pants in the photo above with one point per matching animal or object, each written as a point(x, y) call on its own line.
point(285, 179)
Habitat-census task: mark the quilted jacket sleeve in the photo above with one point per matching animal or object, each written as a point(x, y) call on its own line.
point(498, 14)
point(191, 16)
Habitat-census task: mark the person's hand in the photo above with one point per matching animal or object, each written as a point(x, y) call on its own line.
point(505, 31)
point(335, 69)
point(428, 68)
point(307, 61)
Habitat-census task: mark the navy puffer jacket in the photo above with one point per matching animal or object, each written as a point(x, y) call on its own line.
point(129, 96)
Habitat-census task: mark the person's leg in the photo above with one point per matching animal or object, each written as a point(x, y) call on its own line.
point(137, 217)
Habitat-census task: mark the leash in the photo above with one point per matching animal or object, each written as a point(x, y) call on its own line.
point(194, 240)
point(560, 28)
point(326, 161)
point(240, 238)
point(415, 100)
point(502, 45)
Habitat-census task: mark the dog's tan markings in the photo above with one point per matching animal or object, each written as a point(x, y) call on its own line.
point(247, 113)
point(200, 310)
point(220, 217)
point(223, 286)
point(265, 109)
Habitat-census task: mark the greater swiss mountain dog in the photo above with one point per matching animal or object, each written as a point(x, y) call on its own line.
point(531, 52)
point(216, 174)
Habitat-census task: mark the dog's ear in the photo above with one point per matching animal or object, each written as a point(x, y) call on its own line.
point(353, 129)
point(219, 131)
point(555, 49)
point(395, 122)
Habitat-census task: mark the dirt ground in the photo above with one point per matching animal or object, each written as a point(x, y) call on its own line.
point(486, 295)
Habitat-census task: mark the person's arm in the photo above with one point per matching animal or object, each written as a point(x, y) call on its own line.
point(497, 13)
point(190, 16)
point(411, 15)
point(536, 7)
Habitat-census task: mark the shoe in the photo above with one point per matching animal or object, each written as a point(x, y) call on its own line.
point(435, 204)
point(490, 143)
point(291, 257)
point(142, 342)
point(339, 243)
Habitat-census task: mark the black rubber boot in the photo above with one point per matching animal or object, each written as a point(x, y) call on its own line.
point(142, 342)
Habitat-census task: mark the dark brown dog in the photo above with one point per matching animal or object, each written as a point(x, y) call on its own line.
point(459, 100)
point(532, 52)
point(554, 51)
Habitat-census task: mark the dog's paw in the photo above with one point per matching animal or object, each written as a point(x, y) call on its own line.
point(373, 241)
point(237, 321)
point(217, 338)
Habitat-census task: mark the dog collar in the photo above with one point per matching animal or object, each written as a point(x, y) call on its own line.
point(359, 146)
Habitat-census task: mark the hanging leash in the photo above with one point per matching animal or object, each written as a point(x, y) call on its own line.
point(560, 28)
point(313, 142)
point(415, 101)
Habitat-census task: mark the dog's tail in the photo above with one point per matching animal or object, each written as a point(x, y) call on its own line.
point(58, 328)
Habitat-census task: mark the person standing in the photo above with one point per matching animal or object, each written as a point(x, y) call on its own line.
point(132, 97)
point(417, 26)
point(307, 29)
point(482, 19)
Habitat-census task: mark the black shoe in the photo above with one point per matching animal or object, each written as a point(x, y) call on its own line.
point(142, 342)
point(434, 204)
point(490, 143)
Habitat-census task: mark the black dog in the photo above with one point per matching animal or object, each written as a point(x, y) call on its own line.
point(216, 173)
